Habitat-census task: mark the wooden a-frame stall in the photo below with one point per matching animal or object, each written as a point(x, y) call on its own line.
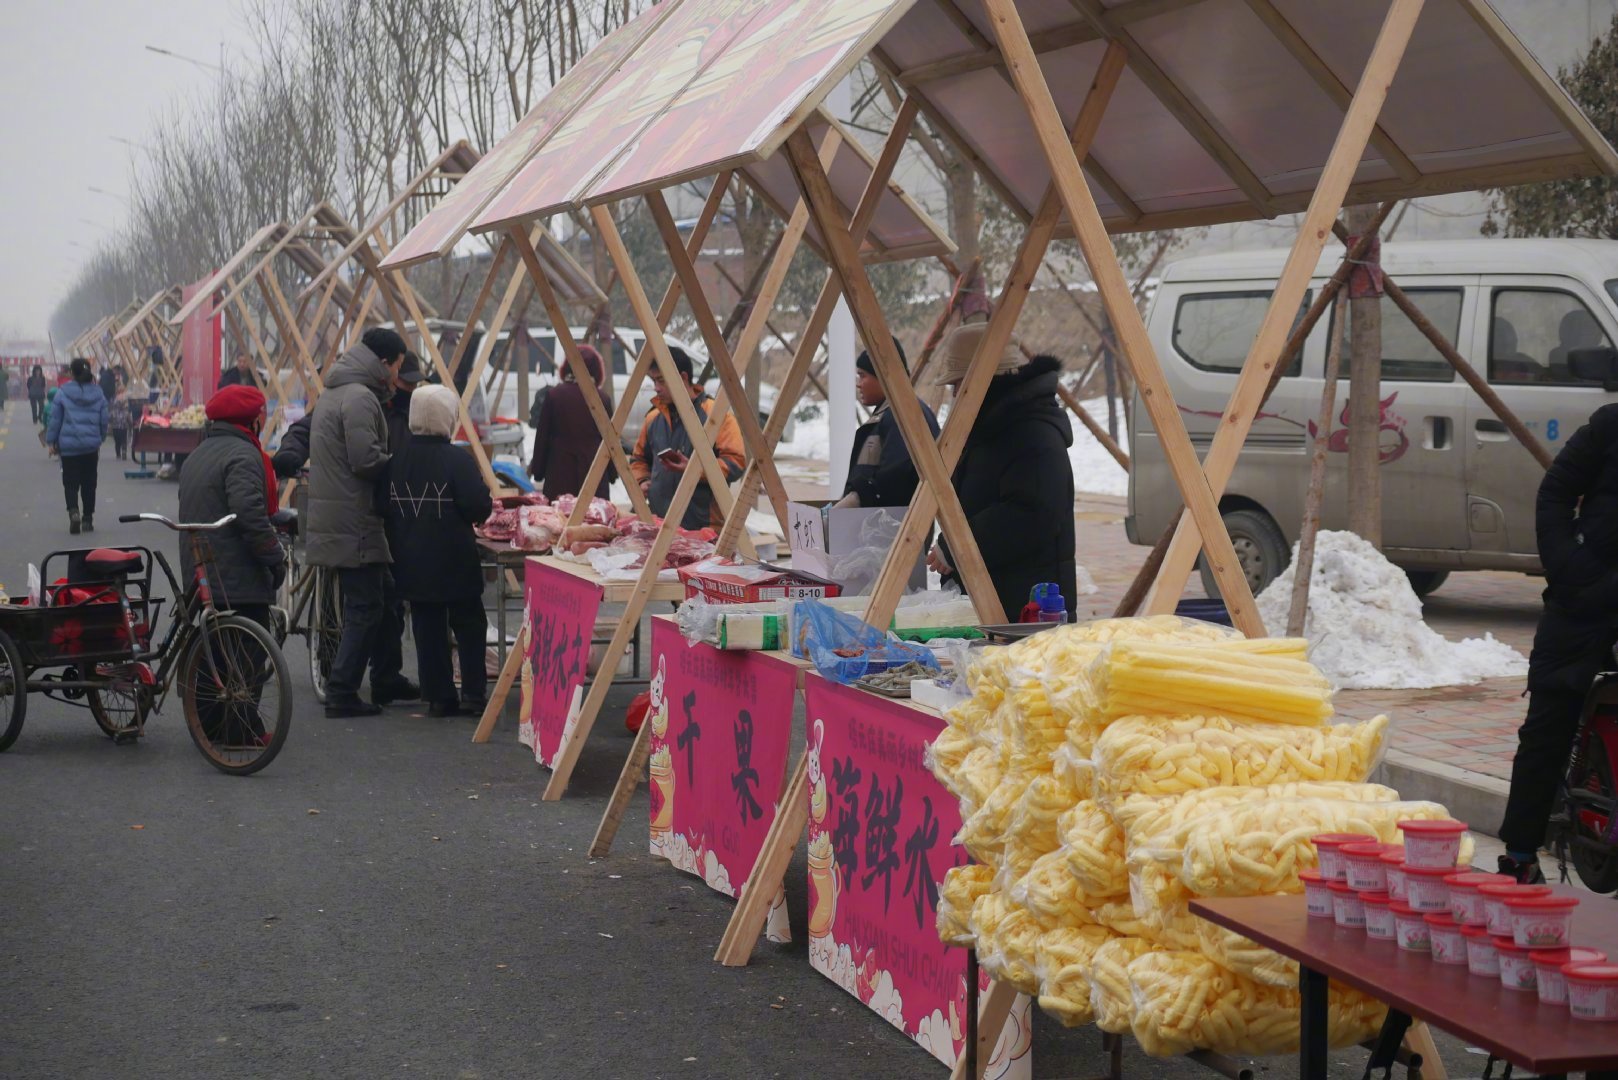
point(148, 329)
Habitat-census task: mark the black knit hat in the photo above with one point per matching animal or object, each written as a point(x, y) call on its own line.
point(863, 362)
point(387, 345)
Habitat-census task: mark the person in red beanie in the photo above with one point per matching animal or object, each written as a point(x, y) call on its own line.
point(229, 473)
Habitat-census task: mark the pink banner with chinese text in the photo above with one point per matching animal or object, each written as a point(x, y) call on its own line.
point(721, 732)
point(880, 827)
point(200, 342)
point(561, 613)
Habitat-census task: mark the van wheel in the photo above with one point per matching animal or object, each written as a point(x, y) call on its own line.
point(1426, 582)
point(1260, 546)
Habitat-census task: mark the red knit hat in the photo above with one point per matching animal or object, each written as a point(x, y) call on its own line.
point(236, 405)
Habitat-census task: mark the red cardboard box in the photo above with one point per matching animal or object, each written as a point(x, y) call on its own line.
point(747, 583)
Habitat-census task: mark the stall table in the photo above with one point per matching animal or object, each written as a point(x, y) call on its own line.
point(1510, 1024)
point(152, 439)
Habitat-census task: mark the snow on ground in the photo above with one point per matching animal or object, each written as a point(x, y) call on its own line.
point(1365, 625)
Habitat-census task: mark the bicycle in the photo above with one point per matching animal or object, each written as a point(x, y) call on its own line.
point(96, 625)
point(314, 607)
point(1585, 827)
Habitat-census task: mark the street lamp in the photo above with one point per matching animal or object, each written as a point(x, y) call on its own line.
point(95, 224)
point(142, 147)
point(196, 63)
point(109, 194)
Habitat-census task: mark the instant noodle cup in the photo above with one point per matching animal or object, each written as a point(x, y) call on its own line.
point(1481, 959)
point(1364, 868)
point(1497, 917)
point(1329, 847)
point(1410, 928)
point(1425, 889)
point(1447, 942)
point(1316, 894)
point(1464, 902)
point(1346, 907)
point(1393, 860)
point(1516, 968)
point(1548, 964)
point(1541, 922)
point(1592, 991)
point(1432, 843)
point(1378, 916)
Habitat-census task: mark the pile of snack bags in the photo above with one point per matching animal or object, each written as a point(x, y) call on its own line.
point(1110, 772)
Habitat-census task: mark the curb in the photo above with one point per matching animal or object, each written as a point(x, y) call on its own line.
point(1475, 798)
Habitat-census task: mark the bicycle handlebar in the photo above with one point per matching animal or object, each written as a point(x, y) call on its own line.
point(176, 526)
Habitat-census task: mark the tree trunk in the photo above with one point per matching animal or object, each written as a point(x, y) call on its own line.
point(1365, 403)
point(962, 186)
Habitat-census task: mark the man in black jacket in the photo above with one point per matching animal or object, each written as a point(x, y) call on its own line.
point(1014, 478)
point(880, 472)
point(1576, 519)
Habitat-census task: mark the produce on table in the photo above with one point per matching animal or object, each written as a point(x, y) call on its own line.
point(1111, 772)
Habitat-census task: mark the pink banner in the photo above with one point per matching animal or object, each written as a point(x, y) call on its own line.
point(200, 343)
point(880, 827)
point(721, 730)
point(561, 620)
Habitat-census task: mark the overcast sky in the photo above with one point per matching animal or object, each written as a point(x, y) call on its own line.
point(73, 73)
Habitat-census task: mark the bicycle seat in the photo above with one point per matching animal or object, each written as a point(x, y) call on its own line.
point(106, 563)
point(285, 520)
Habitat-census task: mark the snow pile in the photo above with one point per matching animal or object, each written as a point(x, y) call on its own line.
point(1094, 470)
point(1365, 625)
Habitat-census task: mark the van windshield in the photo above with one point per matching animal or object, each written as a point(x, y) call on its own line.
point(1612, 288)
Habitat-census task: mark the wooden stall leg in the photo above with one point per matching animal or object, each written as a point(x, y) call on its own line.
point(502, 687)
point(1419, 1040)
point(994, 1008)
point(769, 870)
point(628, 780)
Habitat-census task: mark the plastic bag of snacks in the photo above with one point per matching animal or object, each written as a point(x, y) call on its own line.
point(1156, 755)
point(1031, 826)
point(976, 778)
point(1246, 957)
point(1093, 845)
point(1016, 937)
point(1266, 680)
point(962, 887)
point(1075, 770)
point(1062, 961)
point(1184, 1001)
point(983, 834)
point(1111, 999)
point(1147, 819)
point(1067, 672)
point(1050, 894)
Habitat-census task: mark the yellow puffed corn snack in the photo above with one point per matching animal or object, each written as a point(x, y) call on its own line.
point(1147, 819)
point(973, 781)
point(1235, 953)
point(988, 912)
point(1062, 961)
point(1075, 771)
point(1184, 1001)
point(1093, 845)
point(1031, 826)
point(962, 887)
point(1049, 893)
point(1157, 755)
point(1147, 678)
point(1015, 938)
point(945, 753)
point(983, 833)
point(1111, 1000)
point(1074, 648)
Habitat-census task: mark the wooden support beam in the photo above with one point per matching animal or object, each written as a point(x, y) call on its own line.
point(1108, 443)
point(1265, 353)
point(1113, 287)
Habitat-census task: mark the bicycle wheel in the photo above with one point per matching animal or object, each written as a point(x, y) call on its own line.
point(119, 707)
point(325, 630)
point(237, 695)
point(13, 691)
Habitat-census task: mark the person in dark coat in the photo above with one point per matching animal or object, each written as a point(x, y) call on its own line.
point(108, 381)
point(229, 473)
point(239, 375)
point(348, 457)
point(36, 393)
point(1576, 521)
point(435, 496)
point(566, 439)
point(880, 472)
point(387, 658)
point(75, 427)
point(664, 450)
point(293, 452)
point(1014, 479)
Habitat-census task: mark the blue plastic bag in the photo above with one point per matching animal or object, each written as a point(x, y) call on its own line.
point(844, 648)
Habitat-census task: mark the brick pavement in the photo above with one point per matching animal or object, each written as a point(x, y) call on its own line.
point(1468, 727)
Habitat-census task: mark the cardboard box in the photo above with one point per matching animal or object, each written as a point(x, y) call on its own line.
point(820, 536)
point(746, 583)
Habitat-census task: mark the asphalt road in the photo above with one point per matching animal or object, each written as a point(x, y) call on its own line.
point(385, 899)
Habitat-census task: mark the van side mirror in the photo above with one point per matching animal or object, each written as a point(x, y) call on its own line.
point(1599, 364)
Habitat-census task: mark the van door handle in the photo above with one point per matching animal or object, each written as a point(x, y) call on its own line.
point(1491, 431)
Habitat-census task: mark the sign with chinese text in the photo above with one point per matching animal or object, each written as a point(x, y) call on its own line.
point(721, 732)
point(561, 612)
point(200, 341)
point(880, 827)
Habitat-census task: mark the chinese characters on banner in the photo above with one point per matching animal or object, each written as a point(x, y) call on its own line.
point(721, 732)
point(561, 611)
point(880, 827)
point(200, 340)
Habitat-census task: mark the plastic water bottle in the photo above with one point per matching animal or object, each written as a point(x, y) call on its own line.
point(1052, 607)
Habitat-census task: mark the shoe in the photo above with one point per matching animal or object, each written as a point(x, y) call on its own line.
point(89, 523)
point(399, 689)
point(474, 706)
point(1523, 873)
point(343, 710)
point(73, 522)
point(440, 709)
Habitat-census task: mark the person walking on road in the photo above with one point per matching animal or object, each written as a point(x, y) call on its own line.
point(1014, 478)
point(108, 381)
point(75, 431)
point(1576, 520)
point(435, 496)
point(36, 394)
point(565, 436)
point(348, 456)
point(118, 423)
point(5, 385)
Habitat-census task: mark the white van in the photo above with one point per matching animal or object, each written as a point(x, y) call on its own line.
point(1457, 490)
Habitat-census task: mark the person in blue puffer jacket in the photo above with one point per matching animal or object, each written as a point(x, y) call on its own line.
point(75, 431)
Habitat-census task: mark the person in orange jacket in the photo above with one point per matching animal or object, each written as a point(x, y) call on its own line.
point(663, 451)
